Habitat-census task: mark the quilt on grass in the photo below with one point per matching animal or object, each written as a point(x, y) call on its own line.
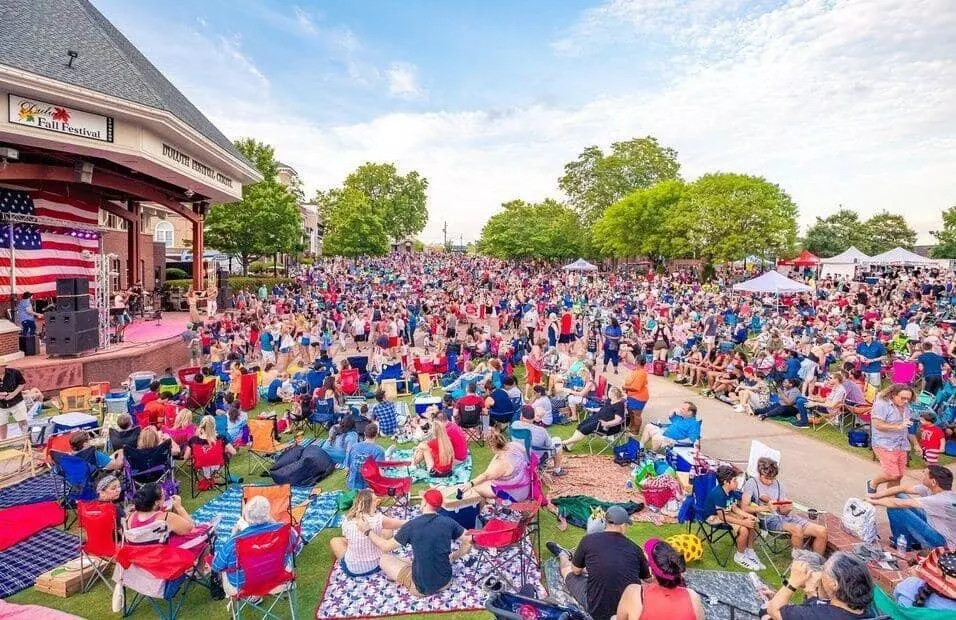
point(25, 561)
point(375, 596)
point(41, 488)
point(321, 513)
point(460, 473)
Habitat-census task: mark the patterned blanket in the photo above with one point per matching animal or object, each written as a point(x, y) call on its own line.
point(23, 562)
point(320, 514)
point(41, 488)
point(460, 473)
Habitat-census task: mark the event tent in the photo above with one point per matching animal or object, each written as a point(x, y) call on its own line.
point(580, 265)
point(806, 259)
point(843, 264)
point(899, 256)
point(771, 282)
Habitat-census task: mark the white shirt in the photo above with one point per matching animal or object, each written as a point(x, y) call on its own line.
point(358, 327)
point(362, 555)
point(912, 330)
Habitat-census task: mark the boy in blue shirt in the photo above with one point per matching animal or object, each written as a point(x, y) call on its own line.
point(721, 509)
point(358, 454)
point(871, 353)
point(931, 367)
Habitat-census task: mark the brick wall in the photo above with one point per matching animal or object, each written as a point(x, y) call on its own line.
point(114, 242)
point(9, 342)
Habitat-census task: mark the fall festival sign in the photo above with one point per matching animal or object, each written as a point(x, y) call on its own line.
point(60, 119)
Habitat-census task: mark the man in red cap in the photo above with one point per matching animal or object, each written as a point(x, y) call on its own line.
point(430, 536)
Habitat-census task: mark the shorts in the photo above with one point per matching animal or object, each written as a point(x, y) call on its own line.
point(451, 332)
point(612, 357)
point(892, 462)
point(566, 338)
point(710, 340)
point(635, 405)
point(775, 522)
point(577, 586)
point(361, 337)
point(269, 356)
point(405, 580)
point(19, 412)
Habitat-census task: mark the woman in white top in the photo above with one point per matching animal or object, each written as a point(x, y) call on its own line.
point(357, 554)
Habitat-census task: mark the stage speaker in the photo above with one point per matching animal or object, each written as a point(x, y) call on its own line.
point(73, 344)
point(72, 286)
point(30, 345)
point(65, 323)
point(72, 303)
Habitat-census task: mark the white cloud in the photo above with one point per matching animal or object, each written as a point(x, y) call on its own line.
point(231, 48)
point(304, 20)
point(403, 81)
point(850, 102)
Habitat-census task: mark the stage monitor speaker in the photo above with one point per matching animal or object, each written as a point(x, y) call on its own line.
point(65, 323)
point(73, 344)
point(72, 303)
point(30, 345)
point(72, 286)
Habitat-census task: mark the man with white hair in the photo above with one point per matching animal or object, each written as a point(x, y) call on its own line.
point(256, 519)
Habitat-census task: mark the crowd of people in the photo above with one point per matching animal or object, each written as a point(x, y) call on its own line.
point(812, 358)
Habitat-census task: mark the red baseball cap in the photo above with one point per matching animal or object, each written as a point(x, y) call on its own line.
point(434, 498)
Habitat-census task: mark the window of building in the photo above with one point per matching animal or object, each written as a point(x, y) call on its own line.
point(164, 233)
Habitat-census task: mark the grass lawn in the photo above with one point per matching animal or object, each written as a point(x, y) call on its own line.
point(315, 561)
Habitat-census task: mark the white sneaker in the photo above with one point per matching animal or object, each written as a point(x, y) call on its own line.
point(742, 560)
point(739, 408)
point(753, 557)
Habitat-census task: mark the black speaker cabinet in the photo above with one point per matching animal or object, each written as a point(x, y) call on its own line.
point(73, 344)
point(65, 323)
point(72, 286)
point(72, 303)
point(30, 345)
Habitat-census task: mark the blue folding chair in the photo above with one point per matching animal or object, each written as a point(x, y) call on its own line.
point(321, 417)
point(75, 473)
point(703, 483)
point(315, 379)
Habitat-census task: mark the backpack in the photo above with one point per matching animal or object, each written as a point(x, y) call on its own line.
point(859, 519)
point(628, 452)
point(858, 437)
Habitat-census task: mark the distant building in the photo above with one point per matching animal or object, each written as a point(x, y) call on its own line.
point(312, 227)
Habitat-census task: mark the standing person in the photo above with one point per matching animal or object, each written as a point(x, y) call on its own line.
point(871, 353)
point(635, 386)
point(891, 421)
point(931, 367)
point(26, 315)
point(567, 331)
point(612, 345)
point(11, 399)
point(430, 536)
point(668, 596)
point(603, 565)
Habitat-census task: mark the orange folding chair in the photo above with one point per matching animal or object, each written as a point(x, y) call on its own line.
point(76, 399)
point(264, 446)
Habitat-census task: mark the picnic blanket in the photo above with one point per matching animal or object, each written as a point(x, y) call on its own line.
point(19, 523)
point(9, 611)
point(726, 595)
point(319, 515)
point(24, 562)
point(598, 477)
point(375, 596)
point(576, 509)
point(41, 488)
point(460, 474)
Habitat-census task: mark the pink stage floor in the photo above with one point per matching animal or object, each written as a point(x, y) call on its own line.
point(148, 345)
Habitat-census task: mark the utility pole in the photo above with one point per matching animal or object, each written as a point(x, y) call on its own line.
point(444, 233)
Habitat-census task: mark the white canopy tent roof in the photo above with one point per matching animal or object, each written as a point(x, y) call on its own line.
point(580, 265)
point(850, 256)
point(899, 256)
point(771, 282)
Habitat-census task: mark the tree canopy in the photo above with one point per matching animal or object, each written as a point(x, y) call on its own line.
point(546, 229)
point(397, 200)
point(640, 223)
point(946, 238)
point(595, 180)
point(835, 233)
point(885, 231)
point(351, 229)
point(265, 221)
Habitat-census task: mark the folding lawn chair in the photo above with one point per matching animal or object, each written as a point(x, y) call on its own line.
point(248, 391)
point(607, 439)
point(200, 395)
point(711, 533)
point(349, 381)
point(396, 489)
point(264, 446)
point(75, 473)
point(496, 544)
point(535, 500)
point(76, 399)
point(169, 387)
point(265, 560)
point(138, 383)
point(210, 457)
point(120, 439)
point(360, 363)
point(280, 502)
point(187, 375)
point(321, 417)
point(469, 420)
point(98, 526)
point(150, 465)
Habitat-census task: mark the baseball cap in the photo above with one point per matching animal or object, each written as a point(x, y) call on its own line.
point(434, 498)
point(616, 515)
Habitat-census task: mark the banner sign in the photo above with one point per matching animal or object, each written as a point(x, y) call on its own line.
point(60, 119)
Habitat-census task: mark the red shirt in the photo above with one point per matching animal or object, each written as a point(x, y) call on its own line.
point(438, 468)
point(470, 400)
point(930, 436)
point(566, 324)
point(459, 442)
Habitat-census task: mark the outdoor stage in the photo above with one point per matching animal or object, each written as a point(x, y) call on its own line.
point(148, 345)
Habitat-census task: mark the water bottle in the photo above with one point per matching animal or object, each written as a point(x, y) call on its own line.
point(901, 544)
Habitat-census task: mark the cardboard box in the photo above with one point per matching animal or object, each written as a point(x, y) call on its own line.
point(65, 581)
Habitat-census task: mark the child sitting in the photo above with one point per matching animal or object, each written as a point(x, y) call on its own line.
point(931, 438)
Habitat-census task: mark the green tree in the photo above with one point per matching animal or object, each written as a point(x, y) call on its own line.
point(835, 233)
point(725, 216)
point(351, 226)
point(946, 238)
point(398, 200)
point(885, 231)
point(532, 230)
point(595, 180)
point(639, 224)
point(266, 220)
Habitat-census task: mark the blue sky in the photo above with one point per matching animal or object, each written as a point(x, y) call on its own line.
point(848, 102)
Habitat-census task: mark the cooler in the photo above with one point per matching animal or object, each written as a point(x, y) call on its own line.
point(74, 421)
point(116, 402)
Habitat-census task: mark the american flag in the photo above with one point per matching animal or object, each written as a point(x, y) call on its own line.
point(44, 253)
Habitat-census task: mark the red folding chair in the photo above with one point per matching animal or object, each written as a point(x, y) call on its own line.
point(200, 395)
point(497, 543)
point(397, 489)
point(208, 456)
point(98, 527)
point(349, 381)
point(186, 375)
point(248, 391)
point(265, 560)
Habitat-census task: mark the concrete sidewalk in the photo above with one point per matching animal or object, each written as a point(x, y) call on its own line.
point(812, 472)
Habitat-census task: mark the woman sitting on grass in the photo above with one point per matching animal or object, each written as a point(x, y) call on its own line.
point(437, 453)
point(668, 596)
point(508, 467)
point(356, 553)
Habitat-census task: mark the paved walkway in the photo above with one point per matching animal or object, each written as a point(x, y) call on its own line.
point(813, 472)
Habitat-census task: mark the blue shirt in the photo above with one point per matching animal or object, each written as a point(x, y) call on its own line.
point(932, 364)
point(357, 455)
point(793, 368)
point(717, 499)
point(873, 350)
point(265, 340)
point(682, 428)
point(386, 417)
point(226, 558)
point(24, 313)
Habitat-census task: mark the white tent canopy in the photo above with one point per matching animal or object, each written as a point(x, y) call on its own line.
point(771, 282)
point(899, 256)
point(850, 256)
point(580, 265)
